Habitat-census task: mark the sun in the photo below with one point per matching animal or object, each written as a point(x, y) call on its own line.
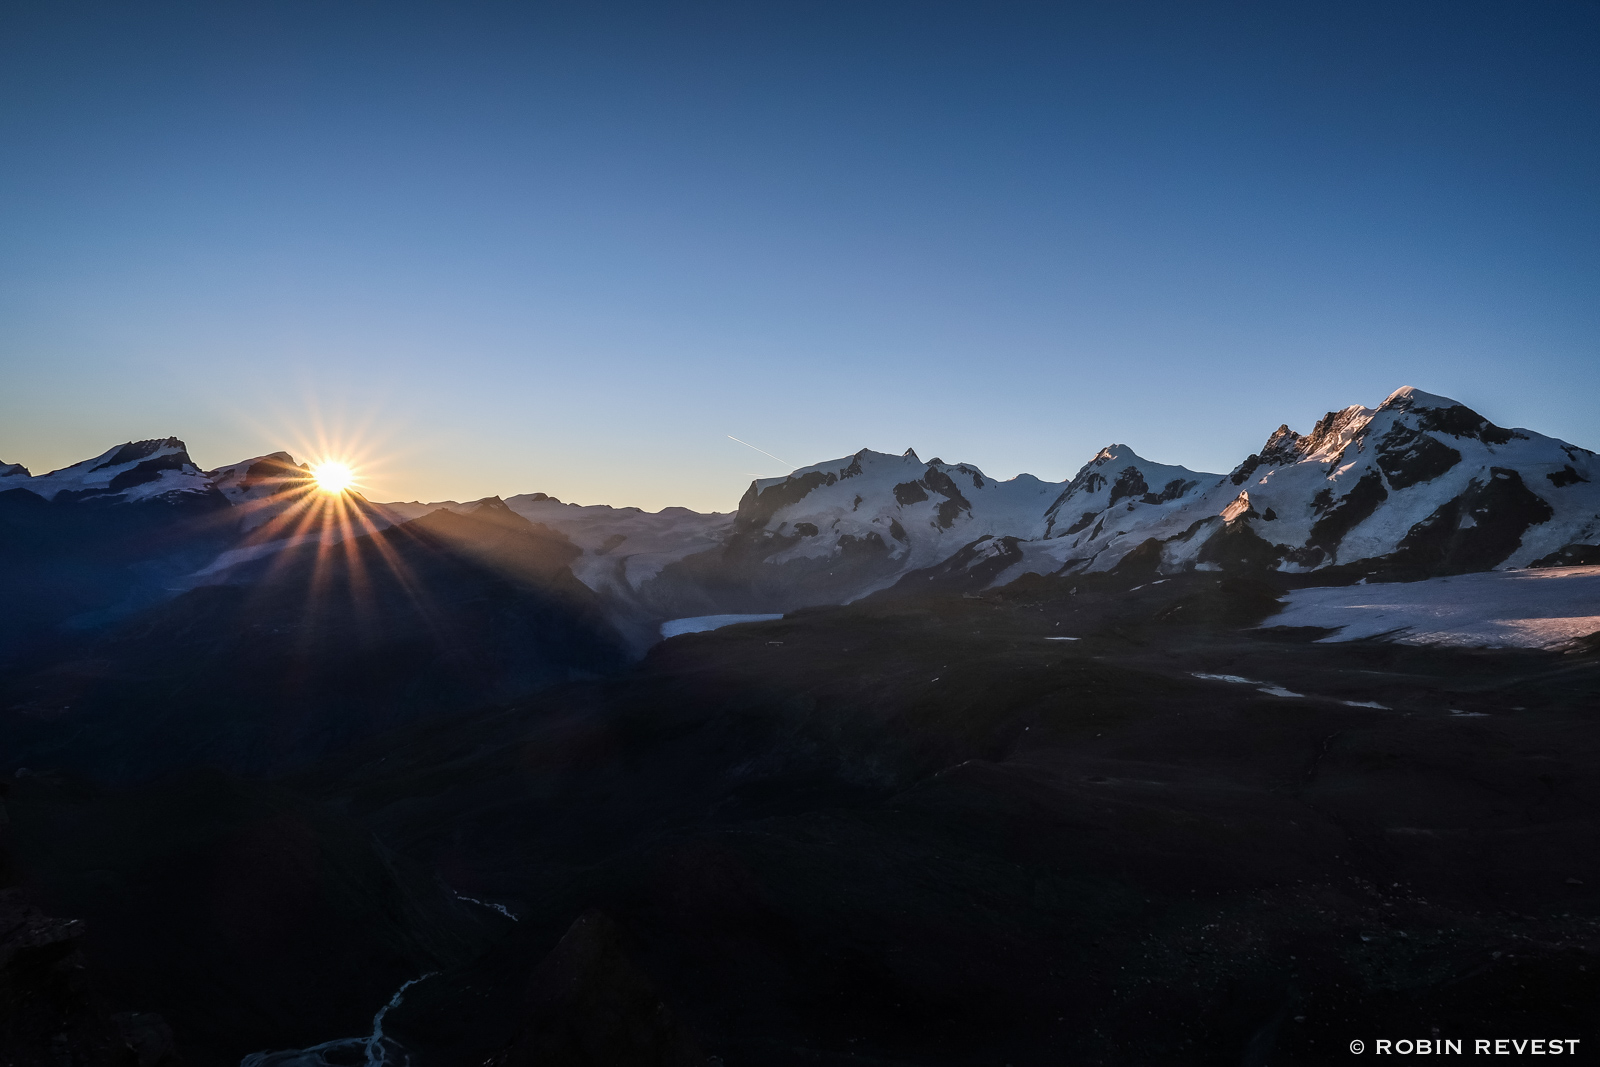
point(333, 477)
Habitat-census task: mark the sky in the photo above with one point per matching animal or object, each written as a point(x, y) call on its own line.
point(493, 248)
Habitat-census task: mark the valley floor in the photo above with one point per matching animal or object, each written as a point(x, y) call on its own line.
point(908, 832)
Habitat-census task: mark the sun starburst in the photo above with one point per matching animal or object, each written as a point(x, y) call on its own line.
point(333, 477)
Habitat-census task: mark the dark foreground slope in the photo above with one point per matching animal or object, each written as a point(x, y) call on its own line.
point(304, 652)
point(915, 832)
point(83, 563)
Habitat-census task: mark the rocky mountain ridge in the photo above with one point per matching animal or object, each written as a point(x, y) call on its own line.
point(1416, 487)
point(1419, 485)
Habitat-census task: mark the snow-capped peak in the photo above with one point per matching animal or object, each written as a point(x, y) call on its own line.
point(261, 476)
point(1421, 481)
point(1408, 397)
point(898, 511)
point(1117, 475)
point(138, 470)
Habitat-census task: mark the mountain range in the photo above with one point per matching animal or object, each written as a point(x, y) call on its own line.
point(1060, 780)
point(1418, 486)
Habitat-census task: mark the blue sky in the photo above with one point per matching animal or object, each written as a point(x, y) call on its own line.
point(500, 248)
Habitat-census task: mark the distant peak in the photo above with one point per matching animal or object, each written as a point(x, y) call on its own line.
point(909, 453)
point(1113, 454)
point(271, 459)
point(1283, 445)
point(1408, 397)
point(1115, 458)
point(261, 476)
point(14, 470)
point(134, 451)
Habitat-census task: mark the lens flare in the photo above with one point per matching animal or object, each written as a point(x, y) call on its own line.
point(333, 477)
point(314, 521)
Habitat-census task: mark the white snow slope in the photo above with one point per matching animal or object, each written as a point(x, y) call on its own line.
point(1528, 608)
point(920, 514)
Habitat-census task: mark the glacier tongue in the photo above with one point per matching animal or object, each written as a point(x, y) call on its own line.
point(1495, 609)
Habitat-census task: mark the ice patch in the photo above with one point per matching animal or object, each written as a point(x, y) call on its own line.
point(1234, 679)
point(701, 623)
point(1543, 608)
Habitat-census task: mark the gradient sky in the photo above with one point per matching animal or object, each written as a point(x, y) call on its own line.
point(507, 247)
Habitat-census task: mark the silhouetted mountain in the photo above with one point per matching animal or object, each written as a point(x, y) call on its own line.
point(95, 542)
point(305, 650)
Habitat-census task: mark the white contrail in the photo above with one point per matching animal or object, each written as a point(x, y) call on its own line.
point(763, 451)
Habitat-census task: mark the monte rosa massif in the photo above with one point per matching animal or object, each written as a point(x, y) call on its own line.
point(1418, 487)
